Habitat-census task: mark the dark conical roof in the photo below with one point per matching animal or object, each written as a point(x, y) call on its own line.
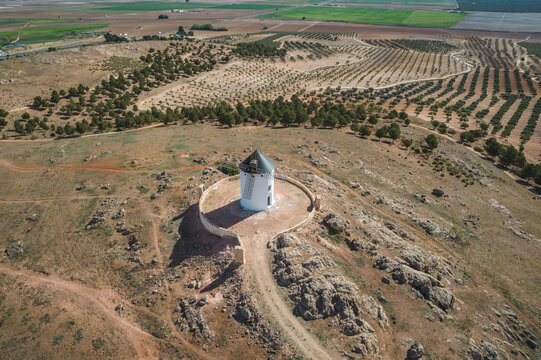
point(263, 163)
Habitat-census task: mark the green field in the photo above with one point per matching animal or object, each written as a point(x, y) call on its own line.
point(436, 19)
point(145, 6)
point(446, 3)
point(45, 33)
point(533, 48)
point(251, 7)
point(5, 22)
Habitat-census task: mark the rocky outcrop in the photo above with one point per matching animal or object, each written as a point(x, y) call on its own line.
point(485, 351)
point(195, 321)
point(101, 215)
point(430, 287)
point(335, 223)
point(513, 329)
point(318, 293)
point(166, 182)
point(427, 263)
point(430, 227)
point(246, 312)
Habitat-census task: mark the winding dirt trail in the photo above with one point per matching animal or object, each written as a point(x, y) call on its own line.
point(82, 136)
point(100, 299)
point(258, 268)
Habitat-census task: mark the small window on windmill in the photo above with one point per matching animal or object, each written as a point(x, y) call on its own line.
point(270, 187)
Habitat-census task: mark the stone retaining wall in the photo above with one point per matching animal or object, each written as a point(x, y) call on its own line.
point(312, 201)
point(238, 251)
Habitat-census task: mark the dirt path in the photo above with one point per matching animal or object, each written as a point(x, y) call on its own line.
point(258, 269)
point(101, 299)
point(19, 33)
point(307, 27)
point(10, 166)
point(83, 136)
point(59, 198)
point(292, 208)
point(274, 27)
point(62, 167)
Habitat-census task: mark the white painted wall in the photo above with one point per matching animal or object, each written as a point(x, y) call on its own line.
point(260, 194)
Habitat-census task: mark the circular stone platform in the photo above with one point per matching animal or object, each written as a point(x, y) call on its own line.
point(222, 208)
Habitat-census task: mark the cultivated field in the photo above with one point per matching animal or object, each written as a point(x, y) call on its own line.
point(497, 21)
point(373, 16)
point(522, 6)
point(46, 33)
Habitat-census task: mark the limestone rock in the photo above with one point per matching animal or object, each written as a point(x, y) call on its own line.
point(120, 213)
point(286, 240)
point(244, 313)
point(318, 263)
point(14, 250)
point(335, 222)
point(367, 345)
point(415, 352)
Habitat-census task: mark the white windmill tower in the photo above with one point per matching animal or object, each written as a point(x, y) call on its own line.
point(256, 182)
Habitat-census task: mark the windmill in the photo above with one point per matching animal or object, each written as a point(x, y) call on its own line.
point(257, 181)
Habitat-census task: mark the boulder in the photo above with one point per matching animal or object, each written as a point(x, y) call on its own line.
point(244, 313)
point(355, 326)
point(335, 222)
point(376, 312)
point(120, 213)
point(291, 274)
point(443, 297)
point(14, 250)
point(415, 352)
point(286, 240)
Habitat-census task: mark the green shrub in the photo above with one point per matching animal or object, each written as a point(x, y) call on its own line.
point(437, 192)
point(229, 169)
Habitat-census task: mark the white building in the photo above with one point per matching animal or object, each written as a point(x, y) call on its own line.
point(256, 182)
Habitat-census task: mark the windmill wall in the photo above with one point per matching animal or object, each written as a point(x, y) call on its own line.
point(261, 195)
